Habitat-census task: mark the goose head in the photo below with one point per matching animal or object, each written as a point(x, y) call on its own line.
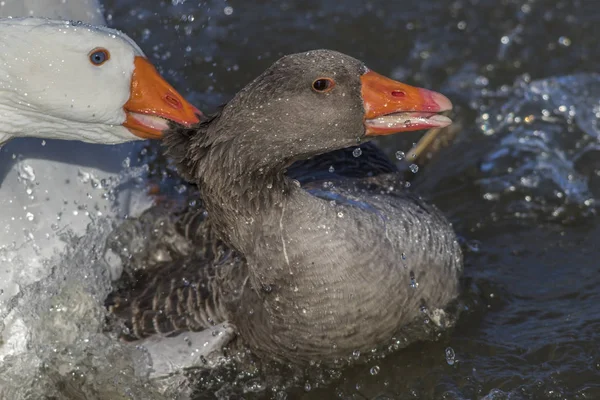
point(74, 81)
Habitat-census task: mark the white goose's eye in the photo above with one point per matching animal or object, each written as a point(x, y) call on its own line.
point(99, 56)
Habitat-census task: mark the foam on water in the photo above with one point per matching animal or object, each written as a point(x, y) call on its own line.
point(532, 145)
point(544, 129)
point(52, 335)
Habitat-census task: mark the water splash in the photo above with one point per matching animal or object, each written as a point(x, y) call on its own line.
point(55, 330)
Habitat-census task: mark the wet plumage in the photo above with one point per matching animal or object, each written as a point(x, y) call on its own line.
point(309, 269)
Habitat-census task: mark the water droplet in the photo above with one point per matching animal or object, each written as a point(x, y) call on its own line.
point(400, 155)
point(181, 188)
point(267, 288)
point(357, 152)
point(413, 282)
point(356, 354)
point(374, 370)
point(307, 387)
point(254, 386)
point(281, 395)
point(414, 168)
point(25, 172)
point(331, 170)
point(564, 41)
point(340, 214)
point(228, 10)
point(29, 216)
point(450, 356)
point(473, 246)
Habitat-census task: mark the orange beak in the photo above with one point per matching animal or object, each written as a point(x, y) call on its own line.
point(153, 103)
point(392, 106)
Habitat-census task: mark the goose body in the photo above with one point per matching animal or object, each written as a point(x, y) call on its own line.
point(313, 271)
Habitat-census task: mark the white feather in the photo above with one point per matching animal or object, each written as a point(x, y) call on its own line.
point(50, 89)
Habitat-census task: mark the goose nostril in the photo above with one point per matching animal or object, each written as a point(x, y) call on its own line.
point(398, 93)
point(173, 101)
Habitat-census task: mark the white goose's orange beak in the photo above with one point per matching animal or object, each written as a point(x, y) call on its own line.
point(153, 103)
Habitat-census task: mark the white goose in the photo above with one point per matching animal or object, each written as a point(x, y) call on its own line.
point(83, 83)
point(65, 80)
point(56, 82)
point(40, 181)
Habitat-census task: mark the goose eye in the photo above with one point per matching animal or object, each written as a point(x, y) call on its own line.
point(323, 85)
point(99, 56)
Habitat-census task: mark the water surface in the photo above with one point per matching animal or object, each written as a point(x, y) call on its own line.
point(519, 184)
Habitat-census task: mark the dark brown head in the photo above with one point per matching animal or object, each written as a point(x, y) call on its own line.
point(303, 105)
